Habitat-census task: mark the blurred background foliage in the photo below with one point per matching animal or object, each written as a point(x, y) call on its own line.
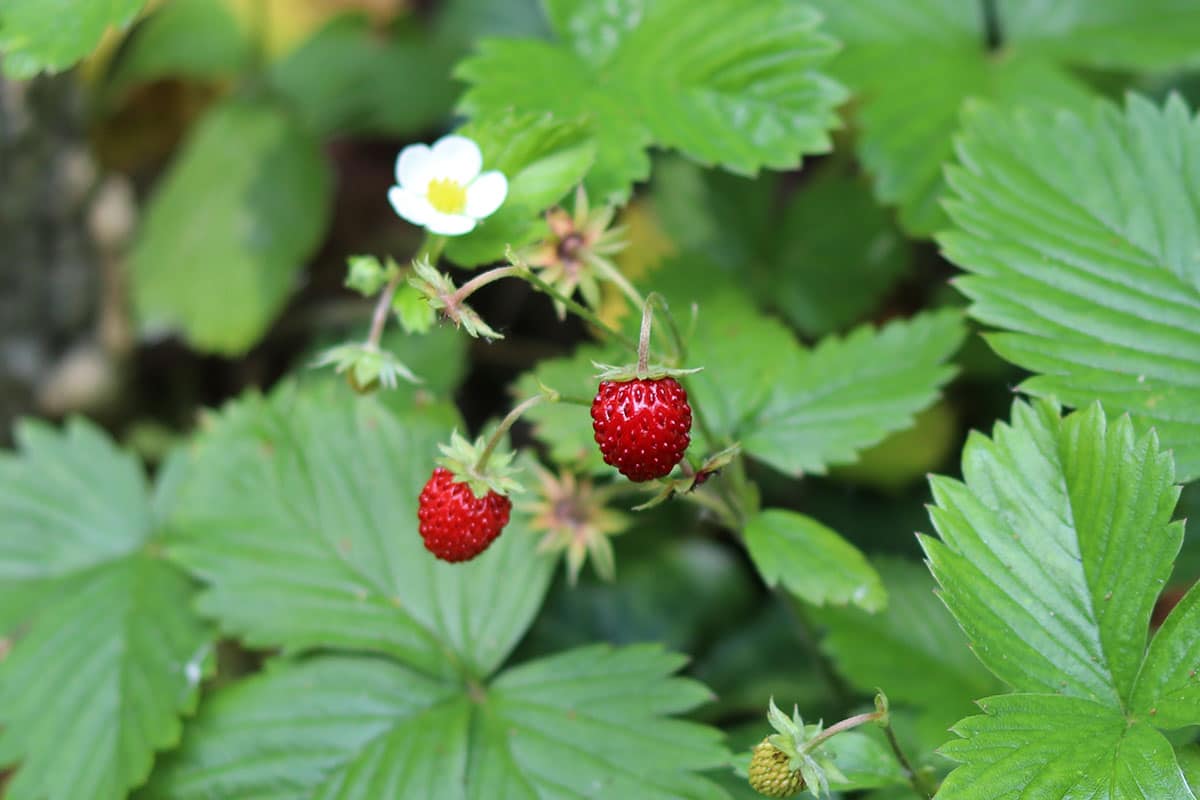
point(217, 161)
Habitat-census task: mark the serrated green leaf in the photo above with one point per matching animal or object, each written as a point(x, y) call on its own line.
point(1054, 549)
point(912, 106)
point(1081, 236)
point(912, 648)
point(108, 651)
point(182, 38)
point(847, 394)
point(587, 721)
point(51, 35)
point(719, 80)
point(1109, 34)
point(543, 157)
point(230, 227)
point(327, 485)
point(1054, 747)
point(566, 428)
point(811, 561)
point(1167, 690)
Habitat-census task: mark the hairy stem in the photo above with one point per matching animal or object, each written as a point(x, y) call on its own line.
point(431, 248)
point(502, 429)
point(481, 280)
point(845, 725)
point(644, 337)
point(579, 310)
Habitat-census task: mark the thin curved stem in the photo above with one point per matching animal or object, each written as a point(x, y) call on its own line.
point(579, 310)
point(481, 280)
point(915, 779)
point(643, 351)
point(503, 428)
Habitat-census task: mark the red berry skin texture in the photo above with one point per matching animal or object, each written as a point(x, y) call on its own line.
point(642, 426)
point(455, 524)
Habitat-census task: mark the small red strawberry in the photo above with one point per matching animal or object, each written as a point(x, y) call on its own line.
point(464, 505)
point(642, 425)
point(455, 524)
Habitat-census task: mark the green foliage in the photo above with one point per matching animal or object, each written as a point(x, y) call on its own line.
point(187, 38)
point(108, 651)
point(1081, 238)
point(51, 35)
point(721, 81)
point(811, 561)
point(847, 394)
point(228, 230)
point(1051, 556)
point(557, 727)
point(824, 259)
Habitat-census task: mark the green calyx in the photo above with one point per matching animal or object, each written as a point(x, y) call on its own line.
point(805, 748)
point(462, 457)
point(652, 372)
point(366, 365)
point(441, 294)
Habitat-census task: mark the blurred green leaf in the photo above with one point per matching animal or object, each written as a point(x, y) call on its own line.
point(589, 720)
point(348, 79)
point(51, 35)
point(327, 483)
point(229, 228)
point(543, 159)
point(908, 456)
point(847, 394)
point(811, 561)
point(185, 38)
point(1155, 35)
point(913, 649)
point(914, 65)
point(108, 652)
point(719, 80)
point(1093, 274)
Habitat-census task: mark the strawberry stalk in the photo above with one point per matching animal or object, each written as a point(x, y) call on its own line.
point(506, 423)
point(431, 249)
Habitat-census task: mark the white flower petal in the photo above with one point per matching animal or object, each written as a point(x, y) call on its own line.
point(413, 167)
point(485, 194)
point(412, 206)
point(449, 224)
point(457, 158)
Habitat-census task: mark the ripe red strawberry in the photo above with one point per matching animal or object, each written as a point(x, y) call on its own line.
point(642, 425)
point(456, 525)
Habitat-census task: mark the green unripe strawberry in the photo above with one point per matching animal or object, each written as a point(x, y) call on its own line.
point(771, 773)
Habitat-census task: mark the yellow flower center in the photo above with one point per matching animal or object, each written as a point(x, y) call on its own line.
point(447, 195)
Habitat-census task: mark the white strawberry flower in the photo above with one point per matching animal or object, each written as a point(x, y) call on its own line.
point(441, 188)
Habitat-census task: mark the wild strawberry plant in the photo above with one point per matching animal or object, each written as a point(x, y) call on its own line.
point(346, 585)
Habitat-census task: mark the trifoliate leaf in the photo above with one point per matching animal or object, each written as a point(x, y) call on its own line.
point(724, 82)
point(811, 561)
point(1044, 745)
point(36, 35)
point(328, 485)
point(847, 394)
point(1082, 236)
point(586, 721)
point(912, 105)
point(230, 227)
point(107, 651)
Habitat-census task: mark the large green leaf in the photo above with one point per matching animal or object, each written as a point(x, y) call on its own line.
point(912, 649)
point(590, 722)
point(190, 38)
point(915, 64)
point(723, 82)
point(229, 229)
point(1113, 34)
point(301, 513)
point(1082, 236)
point(847, 394)
point(1048, 746)
point(1167, 687)
point(51, 35)
point(811, 561)
point(1052, 554)
point(107, 652)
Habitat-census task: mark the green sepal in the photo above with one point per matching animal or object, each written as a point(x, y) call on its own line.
point(438, 289)
point(688, 483)
point(413, 310)
point(462, 456)
point(367, 363)
point(654, 372)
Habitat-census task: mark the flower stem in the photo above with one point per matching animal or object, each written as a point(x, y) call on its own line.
point(431, 248)
point(481, 280)
point(505, 424)
point(610, 273)
point(845, 725)
point(915, 779)
point(579, 310)
point(643, 349)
